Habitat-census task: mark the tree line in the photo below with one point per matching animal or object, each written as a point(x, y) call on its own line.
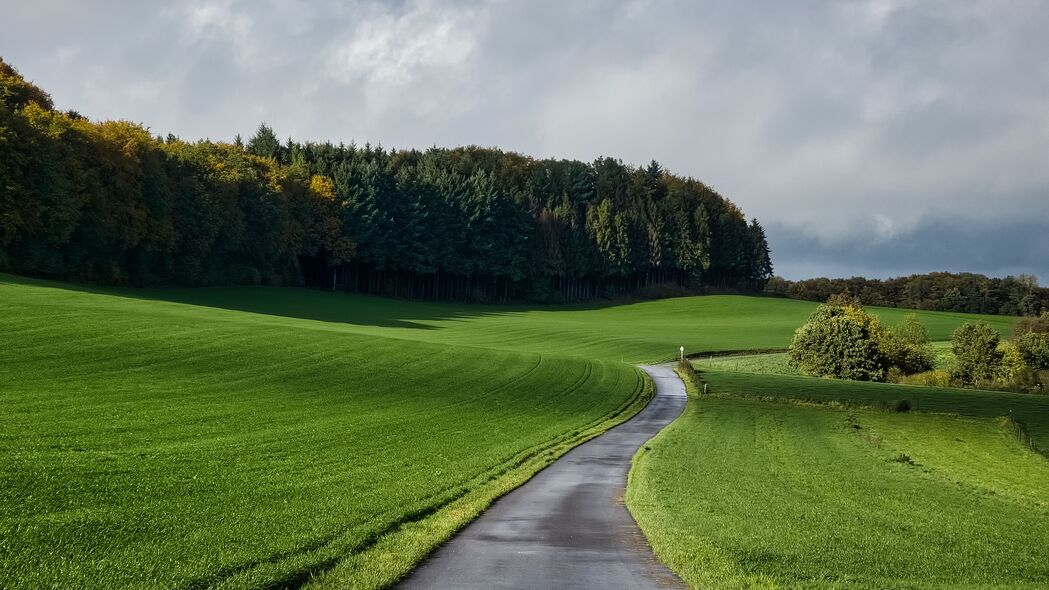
point(108, 202)
point(939, 291)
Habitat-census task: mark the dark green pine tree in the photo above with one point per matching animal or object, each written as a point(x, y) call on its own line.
point(760, 259)
point(265, 143)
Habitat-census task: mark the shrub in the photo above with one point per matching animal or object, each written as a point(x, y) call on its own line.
point(840, 341)
point(911, 331)
point(1033, 347)
point(1012, 363)
point(907, 347)
point(908, 358)
point(895, 375)
point(976, 353)
point(1039, 325)
point(928, 378)
point(1026, 381)
point(904, 405)
point(688, 370)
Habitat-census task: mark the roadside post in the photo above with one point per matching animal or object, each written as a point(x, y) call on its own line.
point(682, 349)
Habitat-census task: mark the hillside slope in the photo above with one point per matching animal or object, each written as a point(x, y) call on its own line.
point(160, 445)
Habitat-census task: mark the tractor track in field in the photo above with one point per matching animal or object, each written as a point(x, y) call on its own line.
point(567, 527)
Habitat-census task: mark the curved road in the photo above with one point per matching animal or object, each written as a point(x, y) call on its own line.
point(567, 527)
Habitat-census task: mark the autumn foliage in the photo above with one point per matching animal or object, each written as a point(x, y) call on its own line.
point(108, 202)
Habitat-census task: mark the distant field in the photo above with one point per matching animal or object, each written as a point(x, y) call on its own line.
point(742, 493)
point(774, 363)
point(156, 445)
point(777, 363)
point(638, 332)
point(1029, 409)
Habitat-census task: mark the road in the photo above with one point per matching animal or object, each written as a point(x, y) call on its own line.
point(567, 528)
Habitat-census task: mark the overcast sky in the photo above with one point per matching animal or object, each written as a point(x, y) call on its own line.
point(875, 137)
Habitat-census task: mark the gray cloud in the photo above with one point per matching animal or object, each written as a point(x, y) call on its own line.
point(991, 246)
point(838, 124)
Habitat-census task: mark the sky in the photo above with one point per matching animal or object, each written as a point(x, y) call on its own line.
point(869, 137)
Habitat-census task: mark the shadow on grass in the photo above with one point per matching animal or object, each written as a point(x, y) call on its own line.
point(312, 304)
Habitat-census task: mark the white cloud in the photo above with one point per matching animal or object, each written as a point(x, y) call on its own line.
point(391, 49)
point(406, 58)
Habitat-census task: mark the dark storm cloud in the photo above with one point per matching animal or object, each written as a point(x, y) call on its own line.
point(997, 247)
point(838, 124)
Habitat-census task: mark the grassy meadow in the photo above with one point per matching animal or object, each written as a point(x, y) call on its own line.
point(776, 363)
point(635, 332)
point(156, 445)
point(1028, 409)
point(253, 437)
point(742, 493)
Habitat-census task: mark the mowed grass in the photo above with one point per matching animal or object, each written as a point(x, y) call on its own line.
point(1031, 411)
point(151, 444)
point(742, 493)
point(635, 332)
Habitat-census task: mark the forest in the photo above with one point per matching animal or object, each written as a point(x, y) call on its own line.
point(108, 202)
point(938, 291)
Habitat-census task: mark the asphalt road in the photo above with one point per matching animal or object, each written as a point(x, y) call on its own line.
point(567, 528)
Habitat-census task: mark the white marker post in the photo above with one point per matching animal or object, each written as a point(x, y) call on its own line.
point(682, 354)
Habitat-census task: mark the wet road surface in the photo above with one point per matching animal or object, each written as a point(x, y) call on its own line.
point(567, 527)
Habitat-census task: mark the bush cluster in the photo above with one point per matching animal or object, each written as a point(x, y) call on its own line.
point(983, 360)
point(842, 340)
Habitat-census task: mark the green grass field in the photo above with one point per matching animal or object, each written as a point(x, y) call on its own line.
point(775, 363)
point(249, 437)
point(156, 445)
point(1030, 410)
point(637, 332)
point(742, 493)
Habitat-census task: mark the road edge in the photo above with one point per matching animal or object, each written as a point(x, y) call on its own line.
point(692, 393)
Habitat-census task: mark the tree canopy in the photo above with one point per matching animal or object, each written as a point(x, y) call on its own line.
point(108, 202)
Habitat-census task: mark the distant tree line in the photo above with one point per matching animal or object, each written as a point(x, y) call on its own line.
point(940, 291)
point(107, 202)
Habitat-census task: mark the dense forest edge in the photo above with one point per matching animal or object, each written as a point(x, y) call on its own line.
point(107, 202)
point(938, 291)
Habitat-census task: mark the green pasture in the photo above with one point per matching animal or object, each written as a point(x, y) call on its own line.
point(156, 445)
point(1032, 411)
point(772, 363)
point(742, 493)
point(253, 437)
point(776, 363)
point(632, 332)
